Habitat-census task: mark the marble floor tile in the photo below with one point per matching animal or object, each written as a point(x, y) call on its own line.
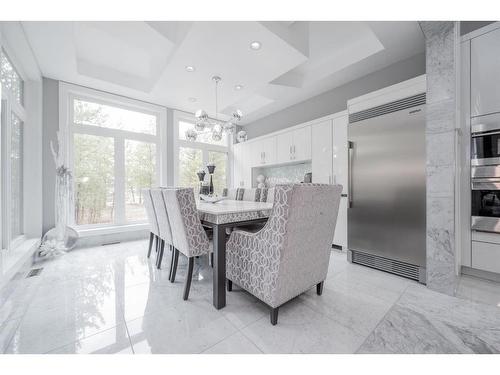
point(234, 344)
point(7, 331)
point(113, 299)
point(111, 341)
point(78, 313)
point(479, 290)
point(16, 297)
point(302, 330)
point(360, 311)
point(188, 327)
point(424, 321)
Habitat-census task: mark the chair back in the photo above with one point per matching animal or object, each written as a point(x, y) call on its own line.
point(188, 234)
point(150, 211)
point(235, 194)
point(164, 229)
point(252, 195)
point(304, 216)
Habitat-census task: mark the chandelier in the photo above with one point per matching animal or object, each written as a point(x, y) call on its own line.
point(216, 127)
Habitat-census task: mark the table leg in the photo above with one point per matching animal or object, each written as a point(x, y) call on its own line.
point(219, 279)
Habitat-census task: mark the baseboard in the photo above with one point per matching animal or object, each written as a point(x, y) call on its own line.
point(480, 274)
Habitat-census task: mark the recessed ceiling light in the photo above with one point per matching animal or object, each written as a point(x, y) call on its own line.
point(190, 68)
point(238, 87)
point(255, 45)
point(192, 100)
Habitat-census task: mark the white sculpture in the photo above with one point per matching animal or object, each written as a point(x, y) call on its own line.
point(261, 181)
point(61, 238)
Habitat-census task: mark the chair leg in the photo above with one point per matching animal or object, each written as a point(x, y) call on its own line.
point(319, 288)
point(174, 265)
point(189, 276)
point(274, 316)
point(159, 256)
point(171, 261)
point(151, 238)
point(229, 285)
point(157, 243)
point(211, 261)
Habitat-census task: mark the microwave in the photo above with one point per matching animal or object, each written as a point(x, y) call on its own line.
point(485, 198)
point(485, 140)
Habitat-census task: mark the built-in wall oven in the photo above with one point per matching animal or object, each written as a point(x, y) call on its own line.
point(485, 173)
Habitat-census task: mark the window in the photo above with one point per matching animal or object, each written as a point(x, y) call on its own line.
point(12, 151)
point(11, 80)
point(193, 156)
point(114, 147)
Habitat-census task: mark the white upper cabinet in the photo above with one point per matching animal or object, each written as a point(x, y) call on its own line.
point(321, 140)
point(294, 145)
point(263, 151)
point(284, 147)
point(302, 143)
point(485, 74)
point(242, 168)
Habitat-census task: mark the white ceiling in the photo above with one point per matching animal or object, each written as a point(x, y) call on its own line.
point(147, 60)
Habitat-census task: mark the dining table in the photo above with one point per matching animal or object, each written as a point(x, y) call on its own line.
point(220, 216)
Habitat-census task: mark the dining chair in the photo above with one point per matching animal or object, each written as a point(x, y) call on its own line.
point(252, 195)
point(188, 235)
point(291, 253)
point(153, 222)
point(165, 232)
point(233, 194)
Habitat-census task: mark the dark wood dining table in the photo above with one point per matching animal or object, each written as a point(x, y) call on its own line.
point(220, 216)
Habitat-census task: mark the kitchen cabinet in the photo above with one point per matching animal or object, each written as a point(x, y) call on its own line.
point(263, 151)
point(242, 169)
point(486, 256)
point(340, 176)
point(322, 160)
point(485, 73)
point(294, 145)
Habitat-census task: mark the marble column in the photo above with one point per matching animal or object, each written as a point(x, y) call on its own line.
point(441, 67)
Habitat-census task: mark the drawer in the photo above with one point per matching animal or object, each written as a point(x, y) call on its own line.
point(486, 256)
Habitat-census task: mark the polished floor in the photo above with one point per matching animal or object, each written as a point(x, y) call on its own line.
point(111, 299)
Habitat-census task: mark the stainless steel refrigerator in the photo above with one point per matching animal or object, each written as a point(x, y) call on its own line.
point(387, 204)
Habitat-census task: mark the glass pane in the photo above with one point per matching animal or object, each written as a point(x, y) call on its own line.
point(140, 172)
point(94, 178)
point(16, 170)
point(106, 116)
point(11, 80)
point(219, 159)
point(205, 137)
point(190, 162)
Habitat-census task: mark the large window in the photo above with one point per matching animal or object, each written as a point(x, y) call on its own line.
point(114, 152)
point(192, 156)
point(12, 140)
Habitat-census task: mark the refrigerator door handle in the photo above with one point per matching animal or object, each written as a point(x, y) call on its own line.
point(350, 146)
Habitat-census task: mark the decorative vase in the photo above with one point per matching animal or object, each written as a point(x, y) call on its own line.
point(211, 169)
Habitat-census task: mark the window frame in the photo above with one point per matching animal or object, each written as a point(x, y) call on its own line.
point(204, 147)
point(10, 106)
point(68, 93)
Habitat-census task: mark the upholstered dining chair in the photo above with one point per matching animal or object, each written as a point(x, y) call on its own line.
point(252, 195)
point(188, 234)
point(165, 232)
point(235, 194)
point(291, 253)
point(153, 222)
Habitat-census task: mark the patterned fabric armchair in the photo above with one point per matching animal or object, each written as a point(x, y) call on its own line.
point(164, 230)
point(153, 223)
point(291, 253)
point(188, 234)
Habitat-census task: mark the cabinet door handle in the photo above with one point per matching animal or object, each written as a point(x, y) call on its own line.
point(290, 152)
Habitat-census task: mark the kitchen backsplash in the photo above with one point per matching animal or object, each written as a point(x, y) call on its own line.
point(282, 174)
